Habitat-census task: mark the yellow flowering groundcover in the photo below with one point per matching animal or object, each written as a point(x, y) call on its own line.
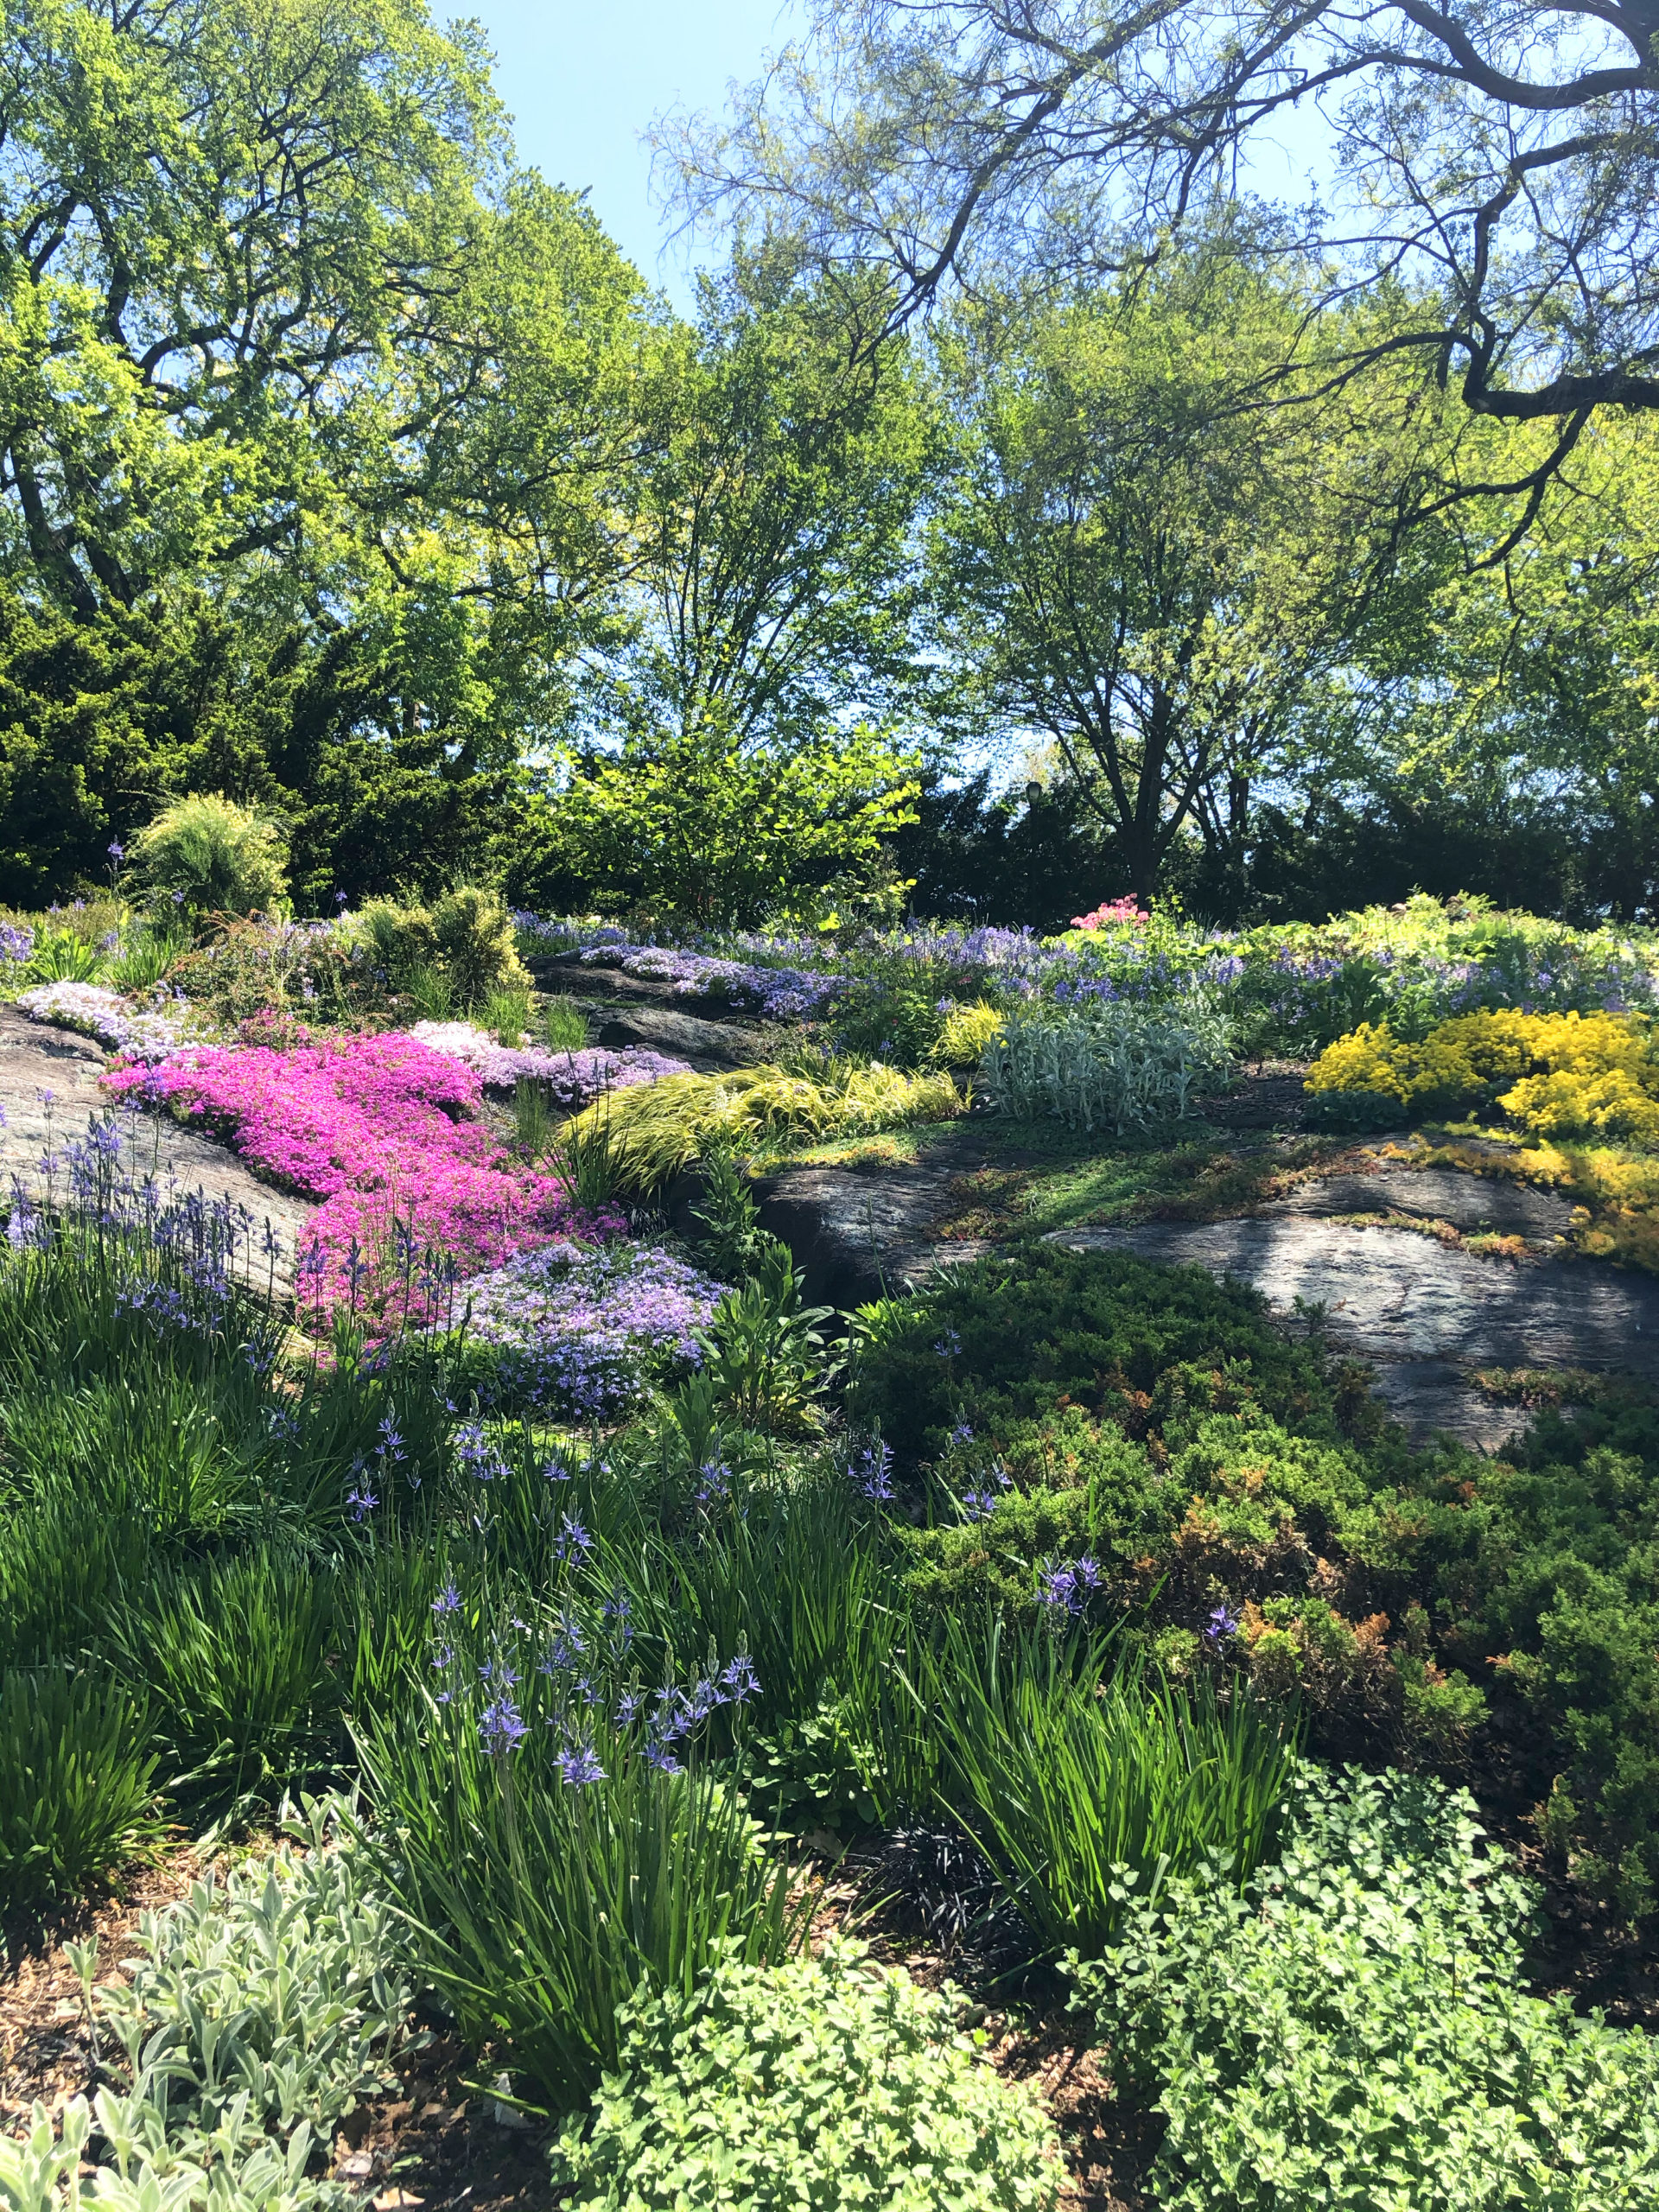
point(1557, 1075)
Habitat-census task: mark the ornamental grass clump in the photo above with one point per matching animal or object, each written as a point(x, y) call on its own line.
point(77, 1784)
point(651, 1134)
point(823, 2081)
point(551, 1827)
point(581, 1332)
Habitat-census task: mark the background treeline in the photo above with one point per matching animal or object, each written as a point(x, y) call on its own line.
point(348, 469)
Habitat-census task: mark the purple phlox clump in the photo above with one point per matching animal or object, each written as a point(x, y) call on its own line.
point(1070, 1587)
point(571, 1079)
point(590, 1331)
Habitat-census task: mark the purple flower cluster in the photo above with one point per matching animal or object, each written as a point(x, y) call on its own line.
point(588, 1333)
point(152, 1031)
point(1067, 1589)
point(869, 1469)
point(779, 994)
point(17, 943)
point(571, 1079)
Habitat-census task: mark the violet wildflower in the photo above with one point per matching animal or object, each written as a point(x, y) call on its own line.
point(362, 1502)
point(948, 1345)
point(962, 1432)
point(447, 1599)
point(740, 1681)
point(870, 1466)
point(501, 1726)
point(578, 1764)
point(572, 1539)
point(1222, 1625)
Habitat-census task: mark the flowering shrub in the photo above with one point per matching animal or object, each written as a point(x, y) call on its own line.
point(587, 1331)
point(1116, 914)
point(1558, 1075)
point(383, 1131)
point(571, 1078)
point(152, 1031)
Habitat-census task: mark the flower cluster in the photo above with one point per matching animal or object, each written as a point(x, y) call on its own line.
point(1116, 914)
point(777, 993)
point(1067, 1589)
point(571, 1079)
point(586, 1333)
point(150, 1030)
point(385, 1133)
point(17, 943)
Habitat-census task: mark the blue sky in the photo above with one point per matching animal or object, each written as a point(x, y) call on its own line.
point(582, 83)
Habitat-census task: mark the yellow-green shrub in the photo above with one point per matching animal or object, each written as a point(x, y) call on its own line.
point(653, 1130)
point(1558, 1075)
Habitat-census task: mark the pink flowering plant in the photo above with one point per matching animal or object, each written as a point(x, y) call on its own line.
point(1114, 914)
point(387, 1134)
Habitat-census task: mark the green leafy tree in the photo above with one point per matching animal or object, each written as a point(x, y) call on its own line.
point(304, 390)
point(772, 609)
point(1163, 581)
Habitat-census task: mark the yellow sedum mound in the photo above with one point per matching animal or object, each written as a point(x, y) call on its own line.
point(1558, 1075)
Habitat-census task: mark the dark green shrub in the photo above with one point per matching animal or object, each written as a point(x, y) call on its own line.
point(76, 1794)
point(1013, 1336)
